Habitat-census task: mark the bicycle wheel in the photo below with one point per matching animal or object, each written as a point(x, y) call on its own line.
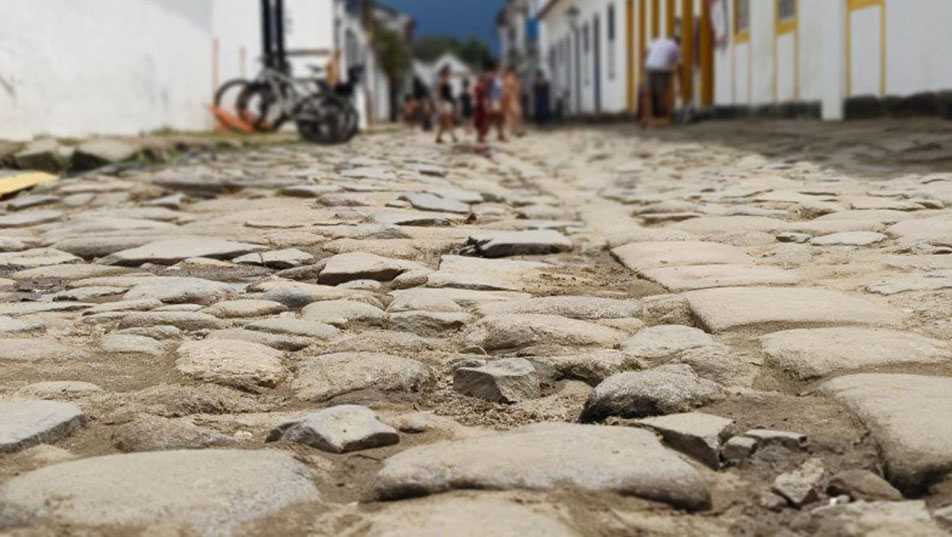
point(321, 120)
point(352, 122)
point(260, 107)
point(228, 93)
point(346, 117)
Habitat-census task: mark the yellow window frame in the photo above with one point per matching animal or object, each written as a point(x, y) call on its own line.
point(783, 27)
point(741, 36)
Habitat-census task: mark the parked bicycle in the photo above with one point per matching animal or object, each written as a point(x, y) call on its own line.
point(322, 114)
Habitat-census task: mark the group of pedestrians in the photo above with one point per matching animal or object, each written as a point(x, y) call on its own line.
point(493, 102)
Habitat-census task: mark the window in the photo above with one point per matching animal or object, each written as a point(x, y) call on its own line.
point(741, 20)
point(611, 41)
point(786, 10)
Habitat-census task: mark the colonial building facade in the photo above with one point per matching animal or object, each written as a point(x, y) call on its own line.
point(815, 54)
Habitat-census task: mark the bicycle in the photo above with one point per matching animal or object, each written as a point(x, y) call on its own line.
point(322, 114)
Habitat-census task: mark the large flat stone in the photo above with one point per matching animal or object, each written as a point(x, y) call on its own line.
point(281, 342)
point(426, 201)
point(849, 238)
point(30, 201)
point(729, 308)
point(295, 327)
point(508, 380)
point(184, 320)
point(696, 434)
point(481, 516)
point(484, 274)
point(639, 256)
point(296, 295)
point(95, 246)
point(242, 308)
point(812, 353)
point(169, 252)
point(546, 457)
point(174, 290)
point(320, 378)
point(208, 492)
point(37, 257)
point(38, 349)
point(67, 272)
point(937, 230)
point(573, 307)
point(908, 416)
point(239, 364)
point(44, 154)
point(95, 153)
point(666, 341)
point(343, 268)
point(720, 225)
point(667, 389)
point(502, 332)
point(277, 259)
point(29, 218)
point(9, 325)
point(339, 429)
point(874, 519)
point(27, 423)
point(422, 298)
point(152, 433)
point(89, 225)
point(508, 243)
point(687, 278)
point(344, 313)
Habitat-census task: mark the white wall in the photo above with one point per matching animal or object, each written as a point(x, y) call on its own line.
point(865, 52)
point(917, 54)
point(77, 67)
point(85, 67)
point(918, 45)
point(237, 27)
point(555, 27)
point(309, 25)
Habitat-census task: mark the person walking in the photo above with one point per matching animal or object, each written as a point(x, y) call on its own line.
point(541, 99)
point(411, 110)
point(495, 100)
point(511, 106)
point(661, 61)
point(481, 120)
point(445, 105)
point(466, 104)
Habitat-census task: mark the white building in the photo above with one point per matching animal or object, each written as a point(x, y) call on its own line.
point(460, 71)
point(750, 53)
point(517, 26)
point(84, 67)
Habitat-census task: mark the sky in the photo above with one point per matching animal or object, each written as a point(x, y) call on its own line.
point(460, 18)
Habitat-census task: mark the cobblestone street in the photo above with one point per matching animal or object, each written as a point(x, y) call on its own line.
point(736, 328)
